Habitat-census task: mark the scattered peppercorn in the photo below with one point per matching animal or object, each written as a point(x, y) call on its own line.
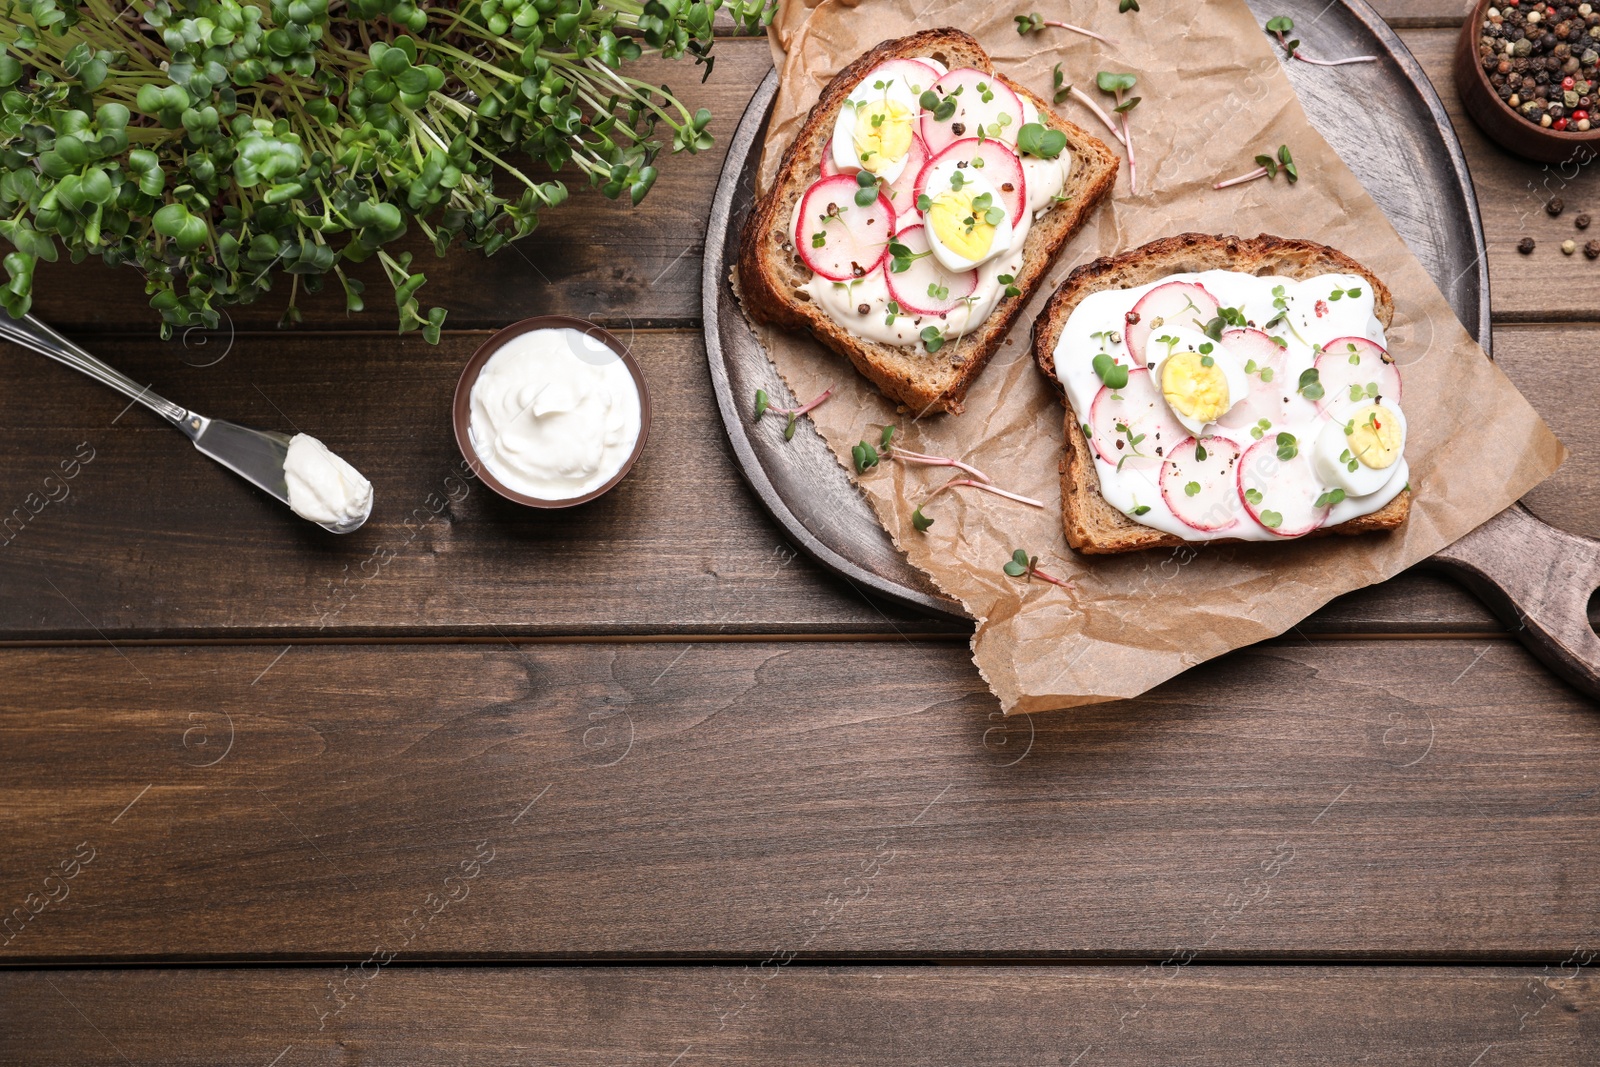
point(1525, 246)
point(1582, 221)
point(1568, 247)
point(1555, 206)
point(1592, 249)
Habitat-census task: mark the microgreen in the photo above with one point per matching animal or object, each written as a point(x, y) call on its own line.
point(1023, 565)
point(1253, 496)
point(1141, 509)
point(1367, 392)
point(1199, 452)
point(1267, 167)
point(893, 312)
point(1117, 83)
point(867, 193)
point(1271, 519)
point(865, 456)
point(1058, 81)
point(819, 238)
point(1288, 447)
point(762, 403)
point(218, 145)
point(932, 339)
point(1110, 371)
point(1125, 6)
point(1310, 385)
point(919, 521)
point(1010, 282)
point(1328, 499)
point(942, 107)
point(924, 203)
point(1036, 140)
point(1224, 318)
point(1282, 25)
point(1340, 294)
point(1033, 23)
point(1191, 489)
point(1259, 430)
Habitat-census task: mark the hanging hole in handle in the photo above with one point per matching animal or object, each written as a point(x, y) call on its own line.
point(1593, 612)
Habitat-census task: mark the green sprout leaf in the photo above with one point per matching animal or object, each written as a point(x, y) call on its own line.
point(919, 521)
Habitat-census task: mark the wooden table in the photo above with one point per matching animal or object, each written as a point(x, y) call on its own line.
point(679, 797)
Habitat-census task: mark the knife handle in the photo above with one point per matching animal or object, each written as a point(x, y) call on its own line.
point(1538, 580)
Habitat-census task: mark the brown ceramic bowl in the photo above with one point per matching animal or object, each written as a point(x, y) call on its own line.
point(462, 408)
point(1504, 126)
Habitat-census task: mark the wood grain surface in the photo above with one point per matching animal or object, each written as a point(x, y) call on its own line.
point(144, 542)
point(744, 1016)
point(1313, 800)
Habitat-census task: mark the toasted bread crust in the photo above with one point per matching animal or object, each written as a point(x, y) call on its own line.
point(1093, 526)
point(770, 276)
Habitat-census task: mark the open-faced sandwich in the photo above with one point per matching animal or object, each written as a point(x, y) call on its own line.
point(919, 206)
point(1224, 389)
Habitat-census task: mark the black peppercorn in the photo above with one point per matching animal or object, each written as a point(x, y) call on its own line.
point(1525, 246)
point(1592, 250)
point(1582, 221)
point(1555, 205)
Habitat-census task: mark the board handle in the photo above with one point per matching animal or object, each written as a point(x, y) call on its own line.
point(1538, 580)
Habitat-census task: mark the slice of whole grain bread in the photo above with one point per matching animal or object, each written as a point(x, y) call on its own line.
point(771, 274)
point(1092, 525)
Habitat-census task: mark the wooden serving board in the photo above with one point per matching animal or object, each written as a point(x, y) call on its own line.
point(1388, 125)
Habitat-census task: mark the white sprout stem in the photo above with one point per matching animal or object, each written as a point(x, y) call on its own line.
point(1259, 172)
point(908, 456)
point(1127, 140)
point(1302, 57)
point(987, 488)
point(1088, 101)
point(797, 412)
point(1076, 29)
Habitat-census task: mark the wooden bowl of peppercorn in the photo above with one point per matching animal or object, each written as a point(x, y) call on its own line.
point(1529, 75)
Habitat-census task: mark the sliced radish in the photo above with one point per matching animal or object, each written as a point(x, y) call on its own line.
point(1271, 397)
point(913, 73)
point(993, 160)
point(1281, 494)
point(1373, 372)
point(829, 167)
point(972, 110)
point(854, 239)
point(914, 288)
point(1138, 406)
point(902, 191)
point(1200, 485)
point(1171, 304)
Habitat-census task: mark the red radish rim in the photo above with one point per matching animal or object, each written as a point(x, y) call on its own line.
point(1106, 391)
point(1170, 468)
point(1254, 512)
point(801, 248)
point(1339, 343)
point(952, 302)
point(1020, 197)
point(1143, 328)
point(944, 127)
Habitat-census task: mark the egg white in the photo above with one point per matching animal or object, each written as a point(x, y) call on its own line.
point(1190, 340)
point(1335, 473)
point(843, 147)
point(973, 180)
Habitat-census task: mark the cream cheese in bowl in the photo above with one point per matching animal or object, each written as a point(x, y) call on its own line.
point(555, 414)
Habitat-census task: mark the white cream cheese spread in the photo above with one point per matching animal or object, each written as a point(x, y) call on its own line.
point(322, 486)
point(1225, 405)
point(555, 414)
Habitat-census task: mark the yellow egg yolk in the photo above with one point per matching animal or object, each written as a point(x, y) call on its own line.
point(883, 134)
point(1373, 434)
point(1193, 388)
point(960, 229)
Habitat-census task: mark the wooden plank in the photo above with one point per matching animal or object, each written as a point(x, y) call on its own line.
point(1412, 14)
point(1556, 367)
point(1545, 286)
point(145, 542)
point(983, 1016)
point(1327, 800)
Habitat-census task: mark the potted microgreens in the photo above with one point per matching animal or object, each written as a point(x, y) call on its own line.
point(216, 145)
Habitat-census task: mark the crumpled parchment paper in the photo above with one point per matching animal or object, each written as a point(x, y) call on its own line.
point(1214, 95)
